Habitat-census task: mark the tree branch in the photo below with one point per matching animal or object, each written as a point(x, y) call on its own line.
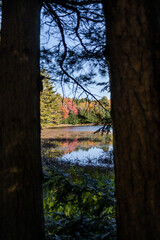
point(67, 4)
point(72, 2)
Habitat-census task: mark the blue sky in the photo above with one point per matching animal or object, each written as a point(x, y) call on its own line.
point(68, 89)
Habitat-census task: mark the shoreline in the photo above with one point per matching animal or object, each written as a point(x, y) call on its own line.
point(69, 125)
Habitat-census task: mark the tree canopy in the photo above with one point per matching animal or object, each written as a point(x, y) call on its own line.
point(74, 48)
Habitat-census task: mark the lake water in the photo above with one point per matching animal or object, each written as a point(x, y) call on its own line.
point(94, 156)
point(82, 128)
point(81, 145)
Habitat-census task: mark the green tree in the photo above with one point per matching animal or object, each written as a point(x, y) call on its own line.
point(50, 103)
point(104, 101)
point(101, 112)
point(93, 112)
point(72, 119)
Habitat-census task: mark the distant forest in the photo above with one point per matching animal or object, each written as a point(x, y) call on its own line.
point(57, 110)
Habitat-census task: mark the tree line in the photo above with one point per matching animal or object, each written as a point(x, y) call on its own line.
point(57, 110)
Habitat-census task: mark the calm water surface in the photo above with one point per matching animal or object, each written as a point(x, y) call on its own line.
point(82, 128)
point(94, 156)
point(85, 151)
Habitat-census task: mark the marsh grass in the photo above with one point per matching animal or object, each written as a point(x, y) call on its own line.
point(55, 142)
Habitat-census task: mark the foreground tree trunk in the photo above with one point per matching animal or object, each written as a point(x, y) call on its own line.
point(20, 180)
point(133, 49)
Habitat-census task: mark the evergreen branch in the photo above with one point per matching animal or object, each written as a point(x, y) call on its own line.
point(58, 21)
point(54, 14)
point(74, 3)
point(77, 34)
point(85, 90)
point(91, 19)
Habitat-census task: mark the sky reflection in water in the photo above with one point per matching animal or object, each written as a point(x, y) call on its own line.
point(94, 156)
point(80, 145)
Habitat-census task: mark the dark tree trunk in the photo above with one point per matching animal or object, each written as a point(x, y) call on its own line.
point(21, 214)
point(133, 49)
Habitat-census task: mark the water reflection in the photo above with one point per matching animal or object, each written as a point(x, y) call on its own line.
point(75, 145)
point(82, 128)
point(93, 156)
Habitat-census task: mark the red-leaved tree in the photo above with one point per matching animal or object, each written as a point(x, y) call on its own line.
point(68, 106)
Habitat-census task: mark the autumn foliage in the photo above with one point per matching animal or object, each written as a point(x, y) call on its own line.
point(68, 106)
point(56, 110)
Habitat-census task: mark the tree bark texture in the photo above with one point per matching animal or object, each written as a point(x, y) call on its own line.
point(21, 214)
point(133, 51)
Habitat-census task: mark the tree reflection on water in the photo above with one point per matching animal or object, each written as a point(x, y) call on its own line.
point(80, 147)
